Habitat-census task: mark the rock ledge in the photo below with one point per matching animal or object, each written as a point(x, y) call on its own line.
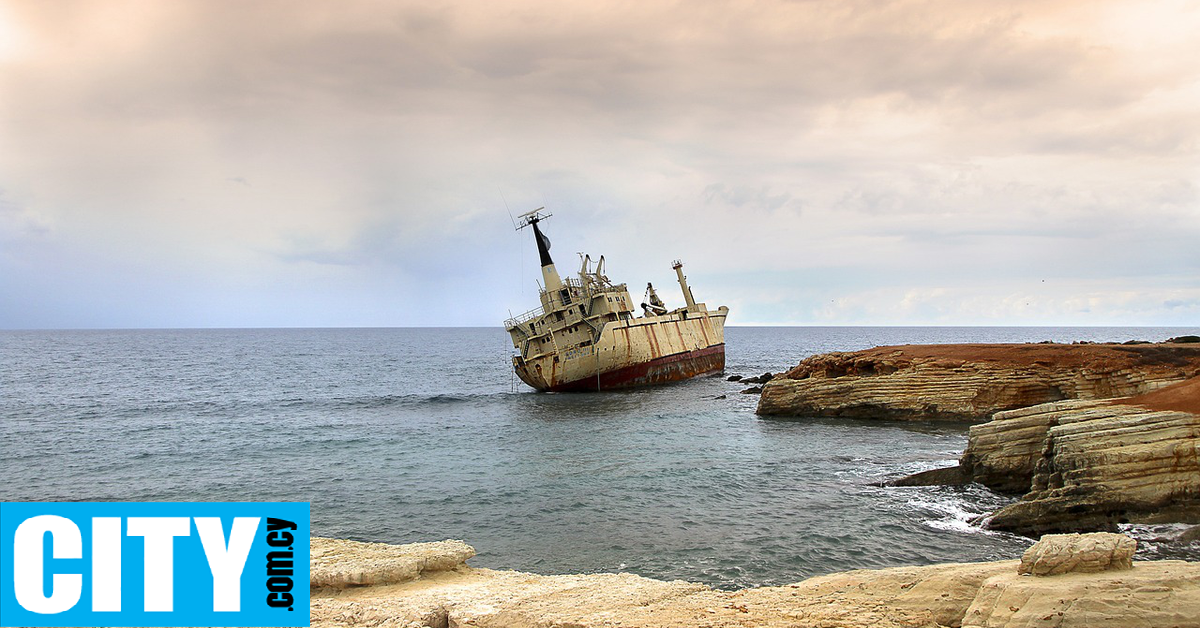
point(970, 382)
point(969, 595)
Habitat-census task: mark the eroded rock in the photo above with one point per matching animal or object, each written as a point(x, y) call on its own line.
point(1100, 465)
point(1087, 465)
point(1056, 554)
point(339, 563)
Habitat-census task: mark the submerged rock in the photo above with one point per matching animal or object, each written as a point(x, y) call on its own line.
point(948, 476)
point(1190, 535)
point(761, 379)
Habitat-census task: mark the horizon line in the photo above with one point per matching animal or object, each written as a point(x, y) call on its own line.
point(759, 326)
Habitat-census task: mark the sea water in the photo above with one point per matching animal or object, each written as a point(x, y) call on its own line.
point(408, 435)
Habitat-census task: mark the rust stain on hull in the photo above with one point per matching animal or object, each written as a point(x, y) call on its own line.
point(670, 368)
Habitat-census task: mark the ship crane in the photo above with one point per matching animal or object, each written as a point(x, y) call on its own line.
point(655, 307)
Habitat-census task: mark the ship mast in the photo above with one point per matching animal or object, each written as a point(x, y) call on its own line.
point(687, 291)
point(551, 280)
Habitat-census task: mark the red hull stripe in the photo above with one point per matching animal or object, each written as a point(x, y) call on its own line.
point(669, 368)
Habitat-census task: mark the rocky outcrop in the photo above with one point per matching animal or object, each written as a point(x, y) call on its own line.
point(1110, 464)
point(1088, 465)
point(338, 563)
point(970, 382)
point(1003, 453)
point(1163, 593)
point(1056, 554)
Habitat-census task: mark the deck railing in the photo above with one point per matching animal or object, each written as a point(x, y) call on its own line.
point(519, 319)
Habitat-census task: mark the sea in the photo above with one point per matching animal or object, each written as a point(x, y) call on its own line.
point(422, 434)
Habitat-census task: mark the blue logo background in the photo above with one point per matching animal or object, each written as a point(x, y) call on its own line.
point(193, 580)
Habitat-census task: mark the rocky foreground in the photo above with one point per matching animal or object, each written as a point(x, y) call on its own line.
point(1062, 581)
point(971, 382)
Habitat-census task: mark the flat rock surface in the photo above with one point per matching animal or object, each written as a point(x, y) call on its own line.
point(1164, 593)
point(1181, 397)
point(1013, 355)
point(1158, 594)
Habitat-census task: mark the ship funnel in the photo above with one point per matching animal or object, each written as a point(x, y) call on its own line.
point(550, 276)
point(687, 292)
point(551, 280)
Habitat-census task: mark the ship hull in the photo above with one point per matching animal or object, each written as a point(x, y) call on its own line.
point(635, 352)
point(671, 368)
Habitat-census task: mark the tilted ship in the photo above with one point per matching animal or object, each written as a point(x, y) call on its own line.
point(585, 335)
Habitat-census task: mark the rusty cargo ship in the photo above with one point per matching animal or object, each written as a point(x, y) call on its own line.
point(585, 336)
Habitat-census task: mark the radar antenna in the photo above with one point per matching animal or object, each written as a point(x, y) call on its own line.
point(532, 217)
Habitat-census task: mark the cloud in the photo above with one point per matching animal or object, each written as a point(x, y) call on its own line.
point(266, 153)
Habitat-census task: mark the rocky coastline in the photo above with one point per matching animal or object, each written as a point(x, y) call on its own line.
point(1062, 581)
point(1088, 465)
point(971, 382)
point(1093, 436)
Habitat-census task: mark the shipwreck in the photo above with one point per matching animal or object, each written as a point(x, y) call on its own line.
point(585, 336)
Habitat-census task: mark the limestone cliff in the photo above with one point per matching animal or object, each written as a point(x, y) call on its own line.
point(1108, 465)
point(970, 382)
point(1161, 593)
point(1089, 465)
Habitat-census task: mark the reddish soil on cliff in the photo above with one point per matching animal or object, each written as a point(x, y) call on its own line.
point(882, 360)
point(1182, 397)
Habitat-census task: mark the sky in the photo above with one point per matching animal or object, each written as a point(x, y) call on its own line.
point(337, 164)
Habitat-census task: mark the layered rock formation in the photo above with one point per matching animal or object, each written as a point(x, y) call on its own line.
point(339, 564)
point(970, 382)
point(1162, 593)
point(1088, 465)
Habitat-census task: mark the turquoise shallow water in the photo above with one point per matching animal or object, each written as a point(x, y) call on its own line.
point(405, 435)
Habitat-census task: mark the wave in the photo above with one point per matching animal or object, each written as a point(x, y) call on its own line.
point(953, 516)
point(387, 401)
point(1161, 541)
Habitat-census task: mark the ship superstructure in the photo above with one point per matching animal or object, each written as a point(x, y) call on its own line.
point(585, 336)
